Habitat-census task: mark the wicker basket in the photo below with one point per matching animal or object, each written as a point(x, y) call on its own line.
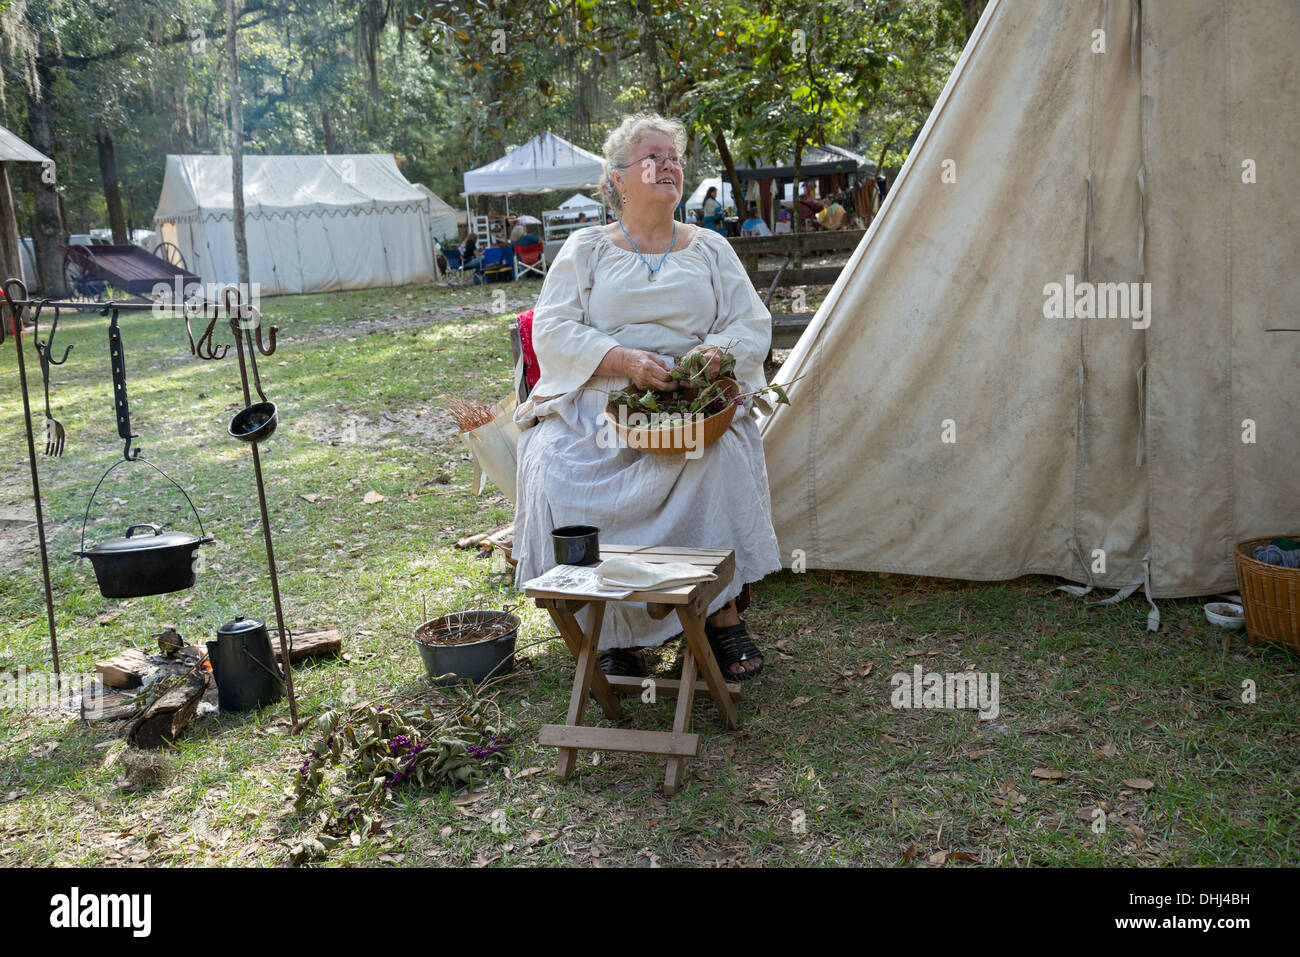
point(1270, 595)
point(681, 438)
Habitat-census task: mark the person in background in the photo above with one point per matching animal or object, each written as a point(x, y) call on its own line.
point(712, 211)
point(834, 216)
point(754, 225)
point(469, 258)
point(783, 222)
point(582, 217)
point(809, 207)
point(882, 186)
point(517, 233)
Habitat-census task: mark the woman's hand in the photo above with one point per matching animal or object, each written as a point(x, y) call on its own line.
point(715, 358)
point(645, 369)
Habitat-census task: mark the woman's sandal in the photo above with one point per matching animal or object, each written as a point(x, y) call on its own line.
point(622, 662)
point(731, 645)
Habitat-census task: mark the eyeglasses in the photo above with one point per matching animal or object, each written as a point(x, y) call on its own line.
point(657, 160)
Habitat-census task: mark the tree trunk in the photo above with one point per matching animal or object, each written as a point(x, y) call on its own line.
point(112, 191)
point(970, 14)
point(11, 260)
point(729, 164)
point(330, 145)
point(49, 228)
point(236, 146)
point(794, 219)
point(649, 54)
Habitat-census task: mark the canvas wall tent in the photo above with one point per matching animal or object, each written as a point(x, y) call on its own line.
point(442, 217)
point(1071, 435)
point(13, 149)
point(313, 223)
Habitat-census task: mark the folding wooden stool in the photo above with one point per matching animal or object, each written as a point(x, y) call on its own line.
point(691, 603)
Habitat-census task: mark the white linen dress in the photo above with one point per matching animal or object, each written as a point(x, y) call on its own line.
point(597, 296)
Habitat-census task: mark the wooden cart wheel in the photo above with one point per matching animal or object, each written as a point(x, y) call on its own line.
point(170, 253)
point(79, 274)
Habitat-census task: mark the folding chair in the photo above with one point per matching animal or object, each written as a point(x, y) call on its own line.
point(457, 274)
point(530, 259)
point(495, 265)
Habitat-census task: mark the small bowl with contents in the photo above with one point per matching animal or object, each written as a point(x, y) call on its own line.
point(1224, 614)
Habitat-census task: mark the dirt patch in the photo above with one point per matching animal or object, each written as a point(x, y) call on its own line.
point(19, 542)
point(386, 429)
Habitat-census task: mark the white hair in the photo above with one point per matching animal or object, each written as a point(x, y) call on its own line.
point(623, 139)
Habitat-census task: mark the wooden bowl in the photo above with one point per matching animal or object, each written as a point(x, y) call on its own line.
point(678, 439)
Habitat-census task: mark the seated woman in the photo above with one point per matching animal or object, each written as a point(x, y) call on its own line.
point(619, 304)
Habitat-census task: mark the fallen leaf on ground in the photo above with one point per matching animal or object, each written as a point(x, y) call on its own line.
point(1139, 784)
point(976, 755)
point(1107, 751)
point(372, 497)
point(800, 701)
point(1047, 774)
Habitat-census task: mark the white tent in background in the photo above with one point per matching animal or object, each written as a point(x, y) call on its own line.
point(946, 426)
point(546, 162)
point(696, 199)
point(442, 217)
point(579, 202)
point(313, 223)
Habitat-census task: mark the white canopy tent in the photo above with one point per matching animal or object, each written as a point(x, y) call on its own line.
point(546, 163)
point(951, 421)
point(580, 203)
point(313, 223)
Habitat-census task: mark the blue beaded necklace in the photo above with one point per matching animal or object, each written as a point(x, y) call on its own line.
point(653, 269)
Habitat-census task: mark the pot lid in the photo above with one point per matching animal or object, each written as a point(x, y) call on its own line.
point(241, 626)
point(144, 537)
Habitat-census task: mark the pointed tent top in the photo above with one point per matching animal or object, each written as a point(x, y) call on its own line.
point(14, 150)
point(545, 163)
point(579, 201)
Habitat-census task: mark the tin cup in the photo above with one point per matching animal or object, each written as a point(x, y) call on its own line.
point(576, 545)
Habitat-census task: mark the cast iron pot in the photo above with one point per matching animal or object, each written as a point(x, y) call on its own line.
point(152, 564)
point(137, 565)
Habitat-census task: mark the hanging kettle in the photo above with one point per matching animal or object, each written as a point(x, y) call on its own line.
point(244, 665)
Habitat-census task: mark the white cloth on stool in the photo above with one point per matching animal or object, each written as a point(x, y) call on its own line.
point(643, 575)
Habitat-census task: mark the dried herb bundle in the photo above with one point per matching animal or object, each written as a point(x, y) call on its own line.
point(697, 392)
point(381, 749)
point(469, 415)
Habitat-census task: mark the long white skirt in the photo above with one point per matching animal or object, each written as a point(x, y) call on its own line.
point(718, 500)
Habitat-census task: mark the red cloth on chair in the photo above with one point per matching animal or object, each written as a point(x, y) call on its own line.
point(532, 371)
point(528, 253)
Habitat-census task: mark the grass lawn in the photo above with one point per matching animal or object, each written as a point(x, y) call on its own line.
point(1094, 711)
